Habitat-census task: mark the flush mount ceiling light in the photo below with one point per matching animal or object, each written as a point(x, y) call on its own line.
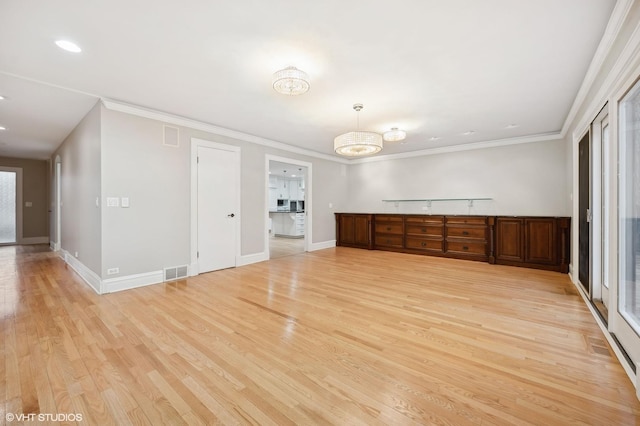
point(358, 143)
point(3, 128)
point(69, 46)
point(291, 81)
point(394, 135)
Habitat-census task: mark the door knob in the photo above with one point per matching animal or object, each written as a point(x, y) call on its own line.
point(231, 215)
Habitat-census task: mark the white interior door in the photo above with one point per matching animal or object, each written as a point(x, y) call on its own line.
point(218, 214)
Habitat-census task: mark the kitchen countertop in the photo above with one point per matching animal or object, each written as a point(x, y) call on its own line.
point(286, 211)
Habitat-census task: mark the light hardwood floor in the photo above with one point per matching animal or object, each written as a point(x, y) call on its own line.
point(338, 336)
point(280, 246)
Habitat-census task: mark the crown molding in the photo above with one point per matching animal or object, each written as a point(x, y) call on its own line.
point(465, 147)
point(198, 125)
point(210, 128)
point(611, 32)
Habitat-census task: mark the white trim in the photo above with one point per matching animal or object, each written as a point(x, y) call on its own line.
point(128, 282)
point(195, 143)
point(611, 32)
point(35, 240)
point(90, 277)
point(466, 147)
point(615, 78)
point(253, 258)
point(210, 128)
point(323, 245)
point(193, 269)
point(199, 125)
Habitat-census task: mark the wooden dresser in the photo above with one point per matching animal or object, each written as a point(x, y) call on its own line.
point(533, 242)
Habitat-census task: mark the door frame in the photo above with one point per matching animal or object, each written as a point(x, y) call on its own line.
point(18, 172)
point(599, 196)
point(195, 144)
point(308, 200)
point(587, 287)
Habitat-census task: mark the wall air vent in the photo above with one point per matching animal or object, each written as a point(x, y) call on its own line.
point(176, 273)
point(171, 136)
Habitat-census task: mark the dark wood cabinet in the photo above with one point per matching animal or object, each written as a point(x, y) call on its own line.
point(467, 237)
point(389, 232)
point(354, 230)
point(534, 242)
point(510, 241)
point(424, 234)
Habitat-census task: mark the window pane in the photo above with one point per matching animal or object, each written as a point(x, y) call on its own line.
point(7, 207)
point(629, 208)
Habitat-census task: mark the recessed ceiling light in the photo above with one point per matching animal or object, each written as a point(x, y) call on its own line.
point(469, 132)
point(69, 46)
point(510, 126)
point(3, 128)
point(434, 138)
point(3, 98)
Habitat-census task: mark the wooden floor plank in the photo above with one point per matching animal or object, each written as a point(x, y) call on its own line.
point(337, 336)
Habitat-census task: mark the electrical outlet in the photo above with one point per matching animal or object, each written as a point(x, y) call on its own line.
point(113, 271)
point(76, 254)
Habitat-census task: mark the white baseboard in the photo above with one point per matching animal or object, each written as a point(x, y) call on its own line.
point(252, 258)
point(128, 282)
point(34, 240)
point(90, 277)
point(323, 245)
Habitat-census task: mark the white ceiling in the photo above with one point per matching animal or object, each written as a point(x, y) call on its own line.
point(433, 68)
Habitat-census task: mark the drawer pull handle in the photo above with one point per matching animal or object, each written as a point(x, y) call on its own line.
point(388, 241)
point(465, 232)
point(465, 248)
point(424, 230)
point(423, 244)
point(388, 228)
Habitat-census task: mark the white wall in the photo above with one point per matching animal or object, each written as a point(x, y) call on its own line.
point(154, 232)
point(524, 179)
point(80, 186)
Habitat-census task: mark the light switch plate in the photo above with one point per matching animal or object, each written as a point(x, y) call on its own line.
point(124, 202)
point(28, 204)
point(113, 201)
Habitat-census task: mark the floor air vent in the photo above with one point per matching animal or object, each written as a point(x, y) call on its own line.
point(175, 273)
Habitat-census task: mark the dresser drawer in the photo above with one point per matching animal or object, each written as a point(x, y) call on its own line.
point(435, 220)
point(467, 220)
point(388, 218)
point(389, 228)
point(386, 240)
point(427, 229)
point(477, 233)
point(467, 247)
point(424, 244)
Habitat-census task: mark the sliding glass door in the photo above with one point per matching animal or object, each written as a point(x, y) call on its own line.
point(629, 208)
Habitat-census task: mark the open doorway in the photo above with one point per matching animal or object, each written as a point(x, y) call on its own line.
point(287, 206)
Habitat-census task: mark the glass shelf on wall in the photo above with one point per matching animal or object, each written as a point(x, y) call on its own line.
point(429, 200)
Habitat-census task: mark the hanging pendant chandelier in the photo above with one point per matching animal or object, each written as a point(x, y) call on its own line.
point(358, 142)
